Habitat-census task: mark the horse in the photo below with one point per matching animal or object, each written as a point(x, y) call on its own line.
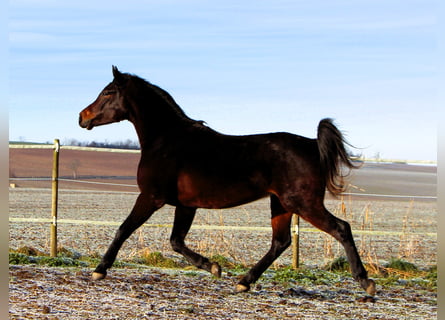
point(186, 164)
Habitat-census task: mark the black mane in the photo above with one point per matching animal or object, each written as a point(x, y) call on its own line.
point(167, 98)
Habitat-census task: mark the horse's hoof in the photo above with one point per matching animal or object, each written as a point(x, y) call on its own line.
point(97, 276)
point(241, 288)
point(371, 290)
point(215, 269)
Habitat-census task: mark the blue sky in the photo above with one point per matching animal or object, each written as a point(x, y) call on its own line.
point(242, 66)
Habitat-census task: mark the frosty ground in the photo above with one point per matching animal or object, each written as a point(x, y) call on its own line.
point(38, 292)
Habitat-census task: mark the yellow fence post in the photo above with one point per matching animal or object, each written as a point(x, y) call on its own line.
point(55, 182)
point(296, 241)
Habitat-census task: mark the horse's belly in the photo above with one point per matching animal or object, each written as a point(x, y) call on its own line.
point(216, 193)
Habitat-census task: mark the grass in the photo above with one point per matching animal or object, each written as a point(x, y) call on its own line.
point(305, 276)
point(401, 265)
point(395, 272)
point(338, 264)
point(61, 261)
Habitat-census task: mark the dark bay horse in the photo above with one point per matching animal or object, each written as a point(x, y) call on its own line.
point(188, 165)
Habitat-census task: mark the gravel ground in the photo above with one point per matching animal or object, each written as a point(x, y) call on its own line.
point(65, 293)
point(55, 293)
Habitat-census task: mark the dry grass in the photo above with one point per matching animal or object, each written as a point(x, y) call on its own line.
point(408, 245)
point(246, 247)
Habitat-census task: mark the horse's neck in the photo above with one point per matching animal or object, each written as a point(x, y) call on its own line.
point(150, 127)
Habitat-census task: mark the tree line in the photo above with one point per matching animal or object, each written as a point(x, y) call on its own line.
point(126, 144)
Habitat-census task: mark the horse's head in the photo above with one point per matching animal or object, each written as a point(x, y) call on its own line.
point(109, 106)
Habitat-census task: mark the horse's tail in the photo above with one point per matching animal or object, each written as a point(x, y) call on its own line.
point(333, 156)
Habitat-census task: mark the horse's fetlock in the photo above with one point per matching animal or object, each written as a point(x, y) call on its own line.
point(369, 286)
point(177, 245)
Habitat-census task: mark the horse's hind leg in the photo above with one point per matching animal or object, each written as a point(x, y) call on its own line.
point(321, 218)
point(281, 239)
point(183, 220)
point(142, 210)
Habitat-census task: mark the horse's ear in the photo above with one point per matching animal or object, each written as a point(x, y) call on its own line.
point(119, 78)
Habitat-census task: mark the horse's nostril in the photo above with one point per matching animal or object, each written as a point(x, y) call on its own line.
point(83, 123)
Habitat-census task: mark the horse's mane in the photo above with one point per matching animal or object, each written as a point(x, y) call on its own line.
point(167, 98)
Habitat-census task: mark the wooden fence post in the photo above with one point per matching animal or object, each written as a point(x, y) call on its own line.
point(55, 180)
point(295, 241)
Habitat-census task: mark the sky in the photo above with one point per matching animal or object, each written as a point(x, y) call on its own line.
point(242, 66)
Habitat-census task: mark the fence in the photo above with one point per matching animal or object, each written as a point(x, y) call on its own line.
point(54, 220)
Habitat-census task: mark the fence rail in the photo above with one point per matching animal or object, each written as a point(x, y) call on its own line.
point(50, 146)
point(376, 195)
point(211, 227)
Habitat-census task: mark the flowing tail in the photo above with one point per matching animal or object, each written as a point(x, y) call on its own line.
point(333, 156)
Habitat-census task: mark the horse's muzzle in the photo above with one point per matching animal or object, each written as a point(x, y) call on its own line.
point(85, 123)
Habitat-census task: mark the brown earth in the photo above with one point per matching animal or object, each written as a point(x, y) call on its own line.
point(25, 162)
point(121, 168)
point(91, 166)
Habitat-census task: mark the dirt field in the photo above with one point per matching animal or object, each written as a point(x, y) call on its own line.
point(384, 228)
point(121, 168)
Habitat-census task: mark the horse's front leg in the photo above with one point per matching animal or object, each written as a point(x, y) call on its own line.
point(183, 220)
point(142, 210)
